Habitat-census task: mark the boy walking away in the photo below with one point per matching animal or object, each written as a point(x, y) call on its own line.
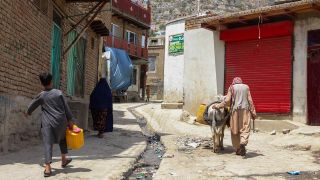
point(56, 117)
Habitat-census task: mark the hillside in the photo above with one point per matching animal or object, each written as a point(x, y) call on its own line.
point(166, 10)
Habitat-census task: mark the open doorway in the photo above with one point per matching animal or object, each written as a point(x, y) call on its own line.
point(313, 69)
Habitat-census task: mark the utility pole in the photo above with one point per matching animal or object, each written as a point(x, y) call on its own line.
point(198, 7)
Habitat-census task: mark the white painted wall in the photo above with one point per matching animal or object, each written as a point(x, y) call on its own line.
point(203, 68)
point(135, 88)
point(173, 67)
point(302, 25)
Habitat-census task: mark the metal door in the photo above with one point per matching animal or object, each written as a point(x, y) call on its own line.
point(313, 86)
point(56, 55)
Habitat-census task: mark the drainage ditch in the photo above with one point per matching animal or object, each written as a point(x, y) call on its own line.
point(149, 161)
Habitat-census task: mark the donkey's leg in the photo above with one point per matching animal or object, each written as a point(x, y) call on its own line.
point(222, 136)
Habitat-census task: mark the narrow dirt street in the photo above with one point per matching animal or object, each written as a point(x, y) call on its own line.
point(265, 158)
point(151, 143)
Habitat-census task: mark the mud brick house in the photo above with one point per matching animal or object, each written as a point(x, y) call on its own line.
point(63, 37)
point(275, 49)
point(129, 30)
point(155, 73)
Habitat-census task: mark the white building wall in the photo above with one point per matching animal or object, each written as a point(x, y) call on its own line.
point(173, 67)
point(302, 25)
point(203, 68)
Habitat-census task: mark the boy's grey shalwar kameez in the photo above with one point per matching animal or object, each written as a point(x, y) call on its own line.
point(54, 120)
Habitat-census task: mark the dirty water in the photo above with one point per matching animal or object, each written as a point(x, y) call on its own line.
point(149, 161)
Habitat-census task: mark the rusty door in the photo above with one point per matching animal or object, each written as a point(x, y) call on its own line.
point(313, 78)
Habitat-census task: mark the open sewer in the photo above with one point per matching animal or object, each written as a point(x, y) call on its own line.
point(150, 159)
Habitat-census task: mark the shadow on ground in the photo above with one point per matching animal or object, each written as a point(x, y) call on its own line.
point(113, 145)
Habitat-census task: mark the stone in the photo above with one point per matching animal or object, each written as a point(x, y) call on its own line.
point(273, 132)
point(286, 131)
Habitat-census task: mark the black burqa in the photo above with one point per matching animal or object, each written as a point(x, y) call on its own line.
point(101, 99)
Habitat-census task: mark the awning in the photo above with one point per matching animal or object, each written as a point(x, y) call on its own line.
point(139, 62)
point(99, 27)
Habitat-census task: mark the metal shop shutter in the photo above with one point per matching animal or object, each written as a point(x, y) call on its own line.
point(266, 66)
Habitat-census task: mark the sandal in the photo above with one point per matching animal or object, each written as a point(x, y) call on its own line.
point(242, 151)
point(46, 174)
point(68, 161)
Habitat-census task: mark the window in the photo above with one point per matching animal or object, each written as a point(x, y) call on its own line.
point(152, 64)
point(115, 31)
point(131, 37)
point(134, 77)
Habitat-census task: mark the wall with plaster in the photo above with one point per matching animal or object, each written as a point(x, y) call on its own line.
point(173, 67)
point(303, 24)
point(203, 68)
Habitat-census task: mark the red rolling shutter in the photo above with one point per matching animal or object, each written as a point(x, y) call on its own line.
point(266, 66)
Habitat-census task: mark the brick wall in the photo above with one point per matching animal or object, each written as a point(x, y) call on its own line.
point(91, 64)
point(25, 48)
point(128, 26)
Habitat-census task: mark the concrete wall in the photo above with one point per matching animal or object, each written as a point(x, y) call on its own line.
point(303, 24)
point(203, 68)
point(173, 67)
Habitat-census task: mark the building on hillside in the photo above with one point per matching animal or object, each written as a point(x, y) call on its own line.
point(129, 31)
point(45, 36)
point(274, 49)
point(155, 73)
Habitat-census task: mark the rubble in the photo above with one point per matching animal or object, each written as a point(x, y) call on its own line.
point(286, 131)
point(188, 144)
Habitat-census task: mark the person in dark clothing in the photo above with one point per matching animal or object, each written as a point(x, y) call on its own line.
point(102, 107)
point(56, 117)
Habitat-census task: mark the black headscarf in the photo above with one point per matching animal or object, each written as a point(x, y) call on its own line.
point(101, 96)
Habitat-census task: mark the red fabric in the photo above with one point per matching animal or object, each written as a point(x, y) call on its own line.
point(284, 28)
point(266, 66)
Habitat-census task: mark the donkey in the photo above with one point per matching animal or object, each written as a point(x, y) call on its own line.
point(218, 119)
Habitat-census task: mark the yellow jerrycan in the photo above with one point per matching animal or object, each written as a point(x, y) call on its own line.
point(200, 112)
point(75, 140)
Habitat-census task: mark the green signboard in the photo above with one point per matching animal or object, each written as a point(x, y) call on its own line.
point(176, 44)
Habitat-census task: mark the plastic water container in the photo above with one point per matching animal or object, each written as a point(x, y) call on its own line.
point(75, 140)
point(200, 112)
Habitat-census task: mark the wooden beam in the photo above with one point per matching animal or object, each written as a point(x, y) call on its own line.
point(291, 15)
point(316, 7)
point(73, 1)
point(242, 20)
point(85, 27)
point(83, 18)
